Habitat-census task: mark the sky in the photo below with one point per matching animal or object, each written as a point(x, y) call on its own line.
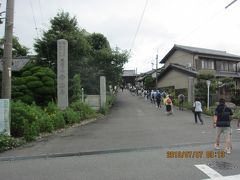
point(146, 27)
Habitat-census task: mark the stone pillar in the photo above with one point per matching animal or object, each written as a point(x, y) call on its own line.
point(5, 116)
point(103, 96)
point(62, 73)
point(190, 89)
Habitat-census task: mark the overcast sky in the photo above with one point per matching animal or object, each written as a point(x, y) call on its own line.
point(198, 23)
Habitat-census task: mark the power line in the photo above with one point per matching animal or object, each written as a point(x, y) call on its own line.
point(30, 2)
point(139, 24)
point(230, 4)
point(40, 7)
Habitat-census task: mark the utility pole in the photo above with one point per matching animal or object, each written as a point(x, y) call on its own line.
point(7, 52)
point(156, 68)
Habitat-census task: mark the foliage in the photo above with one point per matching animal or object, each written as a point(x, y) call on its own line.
point(76, 88)
point(18, 49)
point(236, 97)
point(35, 84)
point(98, 41)
point(28, 121)
point(89, 54)
point(83, 110)
point(201, 87)
point(109, 102)
point(56, 115)
point(71, 116)
point(7, 142)
point(149, 82)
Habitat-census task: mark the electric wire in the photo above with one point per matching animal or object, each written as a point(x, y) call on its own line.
point(139, 25)
point(34, 19)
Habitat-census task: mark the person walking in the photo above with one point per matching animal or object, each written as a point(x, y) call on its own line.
point(158, 99)
point(181, 99)
point(222, 121)
point(168, 105)
point(197, 110)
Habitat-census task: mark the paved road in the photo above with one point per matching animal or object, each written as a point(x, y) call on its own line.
point(130, 143)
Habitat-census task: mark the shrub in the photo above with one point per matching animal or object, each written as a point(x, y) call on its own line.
point(56, 115)
point(71, 116)
point(109, 102)
point(18, 118)
point(28, 121)
point(83, 110)
point(7, 142)
point(58, 120)
point(31, 131)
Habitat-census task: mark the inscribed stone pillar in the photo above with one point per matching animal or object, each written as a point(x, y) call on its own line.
point(62, 73)
point(103, 97)
point(190, 89)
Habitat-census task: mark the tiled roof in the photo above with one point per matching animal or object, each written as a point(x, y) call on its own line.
point(201, 51)
point(18, 63)
point(129, 73)
point(191, 71)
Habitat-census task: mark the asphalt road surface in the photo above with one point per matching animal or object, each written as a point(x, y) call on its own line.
point(134, 141)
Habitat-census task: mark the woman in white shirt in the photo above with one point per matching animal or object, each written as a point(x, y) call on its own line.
point(197, 110)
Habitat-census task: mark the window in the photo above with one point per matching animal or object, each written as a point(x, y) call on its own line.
point(227, 66)
point(207, 64)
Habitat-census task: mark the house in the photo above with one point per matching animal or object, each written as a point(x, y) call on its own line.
point(17, 63)
point(183, 63)
point(128, 77)
point(141, 77)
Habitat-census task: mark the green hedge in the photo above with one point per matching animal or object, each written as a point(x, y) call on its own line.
point(28, 121)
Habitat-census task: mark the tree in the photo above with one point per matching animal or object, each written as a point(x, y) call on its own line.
point(76, 88)
point(149, 82)
point(98, 41)
point(89, 55)
point(62, 27)
point(18, 49)
point(201, 87)
point(35, 84)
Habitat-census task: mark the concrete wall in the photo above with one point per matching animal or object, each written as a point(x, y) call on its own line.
point(180, 57)
point(93, 101)
point(174, 78)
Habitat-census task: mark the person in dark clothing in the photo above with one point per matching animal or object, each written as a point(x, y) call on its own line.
point(222, 121)
point(181, 99)
point(158, 99)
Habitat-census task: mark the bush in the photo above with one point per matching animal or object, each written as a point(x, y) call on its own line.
point(83, 110)
point(71, 116)
point(18, 118)
point(58, 120)
point(7, 142)
point(109, 102)
point(236, 114)
point(28, 121)
point(56, 115)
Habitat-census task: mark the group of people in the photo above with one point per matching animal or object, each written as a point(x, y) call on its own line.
point(160, 98)
point(221, 118)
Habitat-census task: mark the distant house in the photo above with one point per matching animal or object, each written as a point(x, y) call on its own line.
point(183, 63)
point(17, 64)
point(128, 77)
point(141, 77)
